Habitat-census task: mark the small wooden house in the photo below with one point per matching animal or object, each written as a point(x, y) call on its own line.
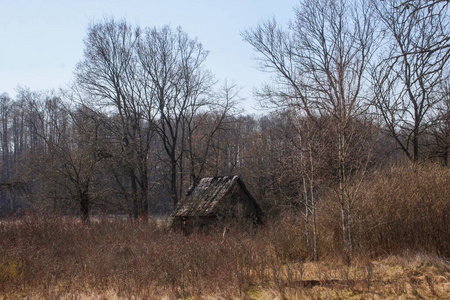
point(215, 199)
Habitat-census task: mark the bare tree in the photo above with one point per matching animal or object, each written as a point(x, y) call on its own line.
point(112, 75)
point(431, 9)
point(319, 66)
point(5, 108)
point(310, 150)
point(438, 136)
point(68, 162)
point(205, 126)
point(173, 64)
point(407, 79)
point(6, 148)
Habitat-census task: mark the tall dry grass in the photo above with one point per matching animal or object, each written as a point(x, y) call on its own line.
point(54, 256)
point(399, 208)
point(401, 232)
point(406, 208)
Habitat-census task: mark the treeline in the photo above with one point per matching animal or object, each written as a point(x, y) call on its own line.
point(357, 87)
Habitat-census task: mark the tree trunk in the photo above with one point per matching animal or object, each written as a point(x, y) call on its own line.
point(173, 183)
point(84, 207)
point(311, 190)
point(144, 192)
point(134, 196)
point(416, 144)
point(307, 210)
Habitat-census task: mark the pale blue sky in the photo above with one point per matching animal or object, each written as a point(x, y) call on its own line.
point(42, 40)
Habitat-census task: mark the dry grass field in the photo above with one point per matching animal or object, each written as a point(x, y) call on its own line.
point(402, 251)
point(56, 258)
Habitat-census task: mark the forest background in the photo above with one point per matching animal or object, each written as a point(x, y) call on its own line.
point(354, 141)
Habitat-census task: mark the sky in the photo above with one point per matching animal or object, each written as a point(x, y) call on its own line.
point(41, 41)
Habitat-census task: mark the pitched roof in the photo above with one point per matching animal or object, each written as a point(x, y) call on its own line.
point(205, 197)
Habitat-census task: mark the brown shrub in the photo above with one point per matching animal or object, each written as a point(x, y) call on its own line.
point(406, 208)
point(57, 258)
point(135, 259)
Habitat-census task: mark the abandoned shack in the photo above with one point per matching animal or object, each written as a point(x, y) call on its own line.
point(215, 199)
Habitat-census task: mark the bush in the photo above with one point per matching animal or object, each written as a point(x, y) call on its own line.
point(406, 208)
point(132, 258)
